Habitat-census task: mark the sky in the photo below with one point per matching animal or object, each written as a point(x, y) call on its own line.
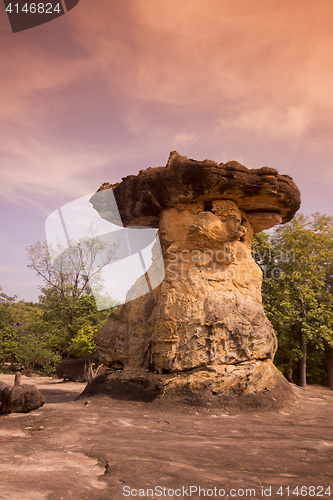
point(113, 86)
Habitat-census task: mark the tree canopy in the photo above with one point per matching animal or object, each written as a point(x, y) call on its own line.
point(297, 263)
point(65, 319)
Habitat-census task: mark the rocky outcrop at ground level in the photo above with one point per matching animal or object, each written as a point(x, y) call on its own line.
point(20, 398)
point(77, 370)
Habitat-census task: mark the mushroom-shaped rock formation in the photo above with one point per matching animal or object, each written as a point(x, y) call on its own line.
point(264, 197)
point(202, 333)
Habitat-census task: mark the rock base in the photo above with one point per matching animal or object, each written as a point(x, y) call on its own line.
point(257, 384)
point(76, 370)
point(20, 399)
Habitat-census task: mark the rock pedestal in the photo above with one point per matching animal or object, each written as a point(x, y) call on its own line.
point(202, 333)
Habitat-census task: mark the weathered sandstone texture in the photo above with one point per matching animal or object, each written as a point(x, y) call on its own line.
point(202, 333)
point(20, 398)
point(77, 370)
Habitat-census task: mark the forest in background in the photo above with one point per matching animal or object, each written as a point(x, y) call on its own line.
point(297, 264)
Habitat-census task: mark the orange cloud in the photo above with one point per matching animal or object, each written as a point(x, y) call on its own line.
point(164, 74)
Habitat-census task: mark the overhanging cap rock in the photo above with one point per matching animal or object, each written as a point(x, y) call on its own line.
point(266, 197)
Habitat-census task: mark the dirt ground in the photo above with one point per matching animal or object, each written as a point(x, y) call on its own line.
point(100, 449)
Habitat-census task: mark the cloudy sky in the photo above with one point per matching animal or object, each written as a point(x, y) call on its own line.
point(113, 86)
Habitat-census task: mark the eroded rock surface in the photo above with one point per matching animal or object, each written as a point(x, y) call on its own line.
point(266, 197)
point(203, 331)
point(20, 398)
point(77, 370)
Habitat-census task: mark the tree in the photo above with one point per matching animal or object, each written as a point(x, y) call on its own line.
point(55, 327)
point(324, 224)
point(83, 344)
point(66, 304)
point(9, 344)
point(297, 291)
point(37, 336)
point(277, 301)
point(69, 272)
point(5, 302)
point(9, 337)
point(35, 355)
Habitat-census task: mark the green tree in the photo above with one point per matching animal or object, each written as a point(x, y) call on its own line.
point(69, 272)
point(66, 303)
point(53, 324)
point(9, 344)
point(5, 302)
point(9, 337)
point(35, 355)
point(83, 344)
point(38, 336)
point(297, 290)
point(277, 301)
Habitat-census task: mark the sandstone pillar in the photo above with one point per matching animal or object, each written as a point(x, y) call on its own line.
point(202, 333)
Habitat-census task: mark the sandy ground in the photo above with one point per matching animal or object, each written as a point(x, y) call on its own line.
point(100, 449)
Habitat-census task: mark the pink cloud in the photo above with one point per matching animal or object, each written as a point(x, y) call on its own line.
point(123, 79)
